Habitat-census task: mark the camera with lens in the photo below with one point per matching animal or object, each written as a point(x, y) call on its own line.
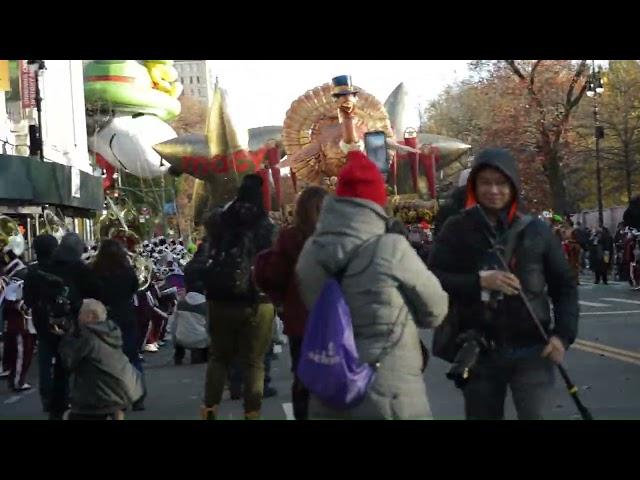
point(473, 343)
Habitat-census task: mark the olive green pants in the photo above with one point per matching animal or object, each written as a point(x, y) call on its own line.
point(238, 331)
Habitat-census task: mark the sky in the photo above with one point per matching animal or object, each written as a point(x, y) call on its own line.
point(260, 92)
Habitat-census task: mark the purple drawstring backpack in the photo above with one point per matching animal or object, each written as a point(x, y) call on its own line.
point(329, 364)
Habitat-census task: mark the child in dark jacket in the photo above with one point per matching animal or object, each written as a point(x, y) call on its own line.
point(104, 381)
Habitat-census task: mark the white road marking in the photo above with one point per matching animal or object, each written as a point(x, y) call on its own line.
point(636, 302)
point(16, 398)
point(288, 410)
point(592, 304)
point(625, 312)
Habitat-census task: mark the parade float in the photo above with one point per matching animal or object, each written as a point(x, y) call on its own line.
point(310, 142)
point(314, 128)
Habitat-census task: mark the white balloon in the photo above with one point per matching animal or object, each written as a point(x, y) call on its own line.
point(126, 143)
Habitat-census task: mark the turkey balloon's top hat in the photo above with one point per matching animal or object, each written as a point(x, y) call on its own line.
point(342, 86)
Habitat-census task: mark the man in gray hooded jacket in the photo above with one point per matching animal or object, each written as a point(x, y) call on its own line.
point(389, 291)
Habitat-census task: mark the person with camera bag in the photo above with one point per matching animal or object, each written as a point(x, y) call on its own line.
point(79, 282)
point(37, 290)
point(494, 339)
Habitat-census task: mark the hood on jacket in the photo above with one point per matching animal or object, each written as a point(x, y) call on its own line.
point(501, 160)
point(70, 249)
point(107, 331)
point(44, 246)
point(344, 224)
point(195, 298)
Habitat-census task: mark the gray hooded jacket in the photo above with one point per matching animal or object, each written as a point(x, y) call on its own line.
point(390, 293)
point(103, 379)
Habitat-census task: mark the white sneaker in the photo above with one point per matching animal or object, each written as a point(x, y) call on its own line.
point(151, 347)
point(23, 387)
point(4, 373)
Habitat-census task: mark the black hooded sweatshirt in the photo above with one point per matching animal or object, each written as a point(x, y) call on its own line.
point(81, 280)
point(461, 250)
point(34, 284)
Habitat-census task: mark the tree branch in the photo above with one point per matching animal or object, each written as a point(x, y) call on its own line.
point(571, 102)
point(532, 93)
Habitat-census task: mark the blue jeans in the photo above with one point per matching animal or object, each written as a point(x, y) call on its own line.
point(130, 345)
point(235, 372)
point(130, 349)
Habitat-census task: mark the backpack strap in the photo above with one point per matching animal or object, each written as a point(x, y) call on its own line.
point(513, 236)
point(386, 349)
point(339, 275)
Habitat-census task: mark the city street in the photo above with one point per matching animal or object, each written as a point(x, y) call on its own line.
point(604, 363)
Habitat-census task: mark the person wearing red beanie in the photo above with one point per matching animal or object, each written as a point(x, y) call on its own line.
point(389, 290)
point(360, 178)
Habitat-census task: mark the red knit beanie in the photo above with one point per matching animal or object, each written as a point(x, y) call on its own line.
point(360, 178)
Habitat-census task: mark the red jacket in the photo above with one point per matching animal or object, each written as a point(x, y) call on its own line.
point(275, 275)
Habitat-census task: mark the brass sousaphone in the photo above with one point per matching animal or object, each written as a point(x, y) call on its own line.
point(10, 236)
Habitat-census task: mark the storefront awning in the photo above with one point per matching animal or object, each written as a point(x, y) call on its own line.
point(29, 181)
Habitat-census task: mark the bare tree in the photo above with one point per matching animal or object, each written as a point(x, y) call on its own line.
point(552, 122)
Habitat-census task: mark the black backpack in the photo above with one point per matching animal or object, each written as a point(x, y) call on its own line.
point(229, 272)
point(55, 303)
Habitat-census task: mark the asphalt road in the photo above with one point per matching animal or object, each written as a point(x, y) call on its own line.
point(604, 363)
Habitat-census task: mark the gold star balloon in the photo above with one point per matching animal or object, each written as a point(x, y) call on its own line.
point(220, 157)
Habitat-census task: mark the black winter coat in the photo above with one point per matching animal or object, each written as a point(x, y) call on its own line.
point(598, 244)
point(540, 265)
point(34, 294)
point(81, 280)
point(194, 271)
point(118, 290)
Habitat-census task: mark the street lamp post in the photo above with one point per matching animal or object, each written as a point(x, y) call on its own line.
point(594, 89)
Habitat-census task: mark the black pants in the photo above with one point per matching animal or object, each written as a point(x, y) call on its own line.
point(299, 393)
point(198, 355)
point(601, 274)
point(54, 379)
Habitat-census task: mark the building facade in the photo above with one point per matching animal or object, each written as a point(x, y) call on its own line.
point(61, 179)
point(197, 78)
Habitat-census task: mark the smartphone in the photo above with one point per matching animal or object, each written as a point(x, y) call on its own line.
point(375, 144)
